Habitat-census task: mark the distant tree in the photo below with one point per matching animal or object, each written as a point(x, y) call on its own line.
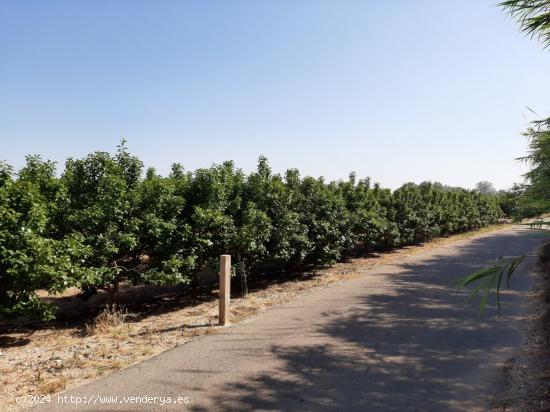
point(485, 187)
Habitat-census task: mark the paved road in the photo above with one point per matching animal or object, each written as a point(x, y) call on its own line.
point(397, 339)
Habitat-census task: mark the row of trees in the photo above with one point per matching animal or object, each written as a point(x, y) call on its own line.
point(104, 221)
point(521, 202)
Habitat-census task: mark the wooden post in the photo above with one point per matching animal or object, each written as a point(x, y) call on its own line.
point(225, 289)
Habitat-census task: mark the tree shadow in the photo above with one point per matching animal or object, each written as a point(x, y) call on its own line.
point(145, 301)
point(415, 346)
point(10, 341)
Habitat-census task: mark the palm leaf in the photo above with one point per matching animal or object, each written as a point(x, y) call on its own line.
point(491, 278)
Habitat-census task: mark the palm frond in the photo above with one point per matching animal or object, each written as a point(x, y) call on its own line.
point(491, 278)
point(533, 17)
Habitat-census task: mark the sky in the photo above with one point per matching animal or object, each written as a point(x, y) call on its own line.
point(399, 91)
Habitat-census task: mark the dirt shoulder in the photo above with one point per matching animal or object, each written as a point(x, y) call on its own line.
point(528, 373)
point(48, 358)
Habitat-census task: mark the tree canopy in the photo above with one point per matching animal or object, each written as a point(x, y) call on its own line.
point(106, 220)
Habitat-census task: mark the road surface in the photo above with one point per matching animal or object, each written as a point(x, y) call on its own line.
point(397, 339)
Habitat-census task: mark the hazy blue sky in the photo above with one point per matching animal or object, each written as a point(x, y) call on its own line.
point(397, 90)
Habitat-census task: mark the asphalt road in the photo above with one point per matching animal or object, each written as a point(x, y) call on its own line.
point(397, 339)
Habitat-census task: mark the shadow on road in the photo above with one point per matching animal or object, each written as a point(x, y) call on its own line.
point(414, 346)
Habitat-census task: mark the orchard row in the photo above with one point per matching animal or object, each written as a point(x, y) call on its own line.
point(103, 221)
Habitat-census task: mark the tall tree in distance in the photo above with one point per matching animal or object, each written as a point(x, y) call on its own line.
point(485, 187)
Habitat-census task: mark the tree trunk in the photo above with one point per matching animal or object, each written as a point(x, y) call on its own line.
point(113, 295)
point(244, 277)
point(195, 277)
point(195, 282)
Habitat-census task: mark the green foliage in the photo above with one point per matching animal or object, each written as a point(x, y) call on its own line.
point(538, 159)
point(531, 199)
point(491, 278)
point(131, 225)
point(104, 221)
point(31, 258)
point(249, 244)
point(533, 16)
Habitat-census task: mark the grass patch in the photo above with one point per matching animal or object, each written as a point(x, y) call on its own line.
point(112, 322)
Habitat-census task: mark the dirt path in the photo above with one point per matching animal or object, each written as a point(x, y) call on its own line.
point(398, 338)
